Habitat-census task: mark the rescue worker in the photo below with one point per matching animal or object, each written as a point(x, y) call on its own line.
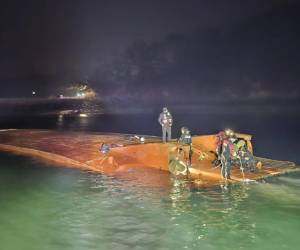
point(233, 151)
point(243, 157)
point(226, 160)
point(224, 152)
point(166, 121)
point(186, 141)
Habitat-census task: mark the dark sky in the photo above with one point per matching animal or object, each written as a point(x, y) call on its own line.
point(182, 51)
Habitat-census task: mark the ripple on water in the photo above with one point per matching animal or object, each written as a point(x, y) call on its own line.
point(53, 208)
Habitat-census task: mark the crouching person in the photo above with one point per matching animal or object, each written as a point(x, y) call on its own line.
point(243, 157)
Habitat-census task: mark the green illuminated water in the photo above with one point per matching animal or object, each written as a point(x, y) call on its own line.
point(55, 208)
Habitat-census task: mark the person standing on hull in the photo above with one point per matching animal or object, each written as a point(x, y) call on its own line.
point(224, 151)
point(186, 141)
point(165, 119)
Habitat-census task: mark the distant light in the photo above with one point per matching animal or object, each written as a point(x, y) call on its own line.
point(33, 92)
point(83, 115)
point(78, 94)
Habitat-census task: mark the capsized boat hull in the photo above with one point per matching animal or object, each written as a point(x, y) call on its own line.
point(127, 153)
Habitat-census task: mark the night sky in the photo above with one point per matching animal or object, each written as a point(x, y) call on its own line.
point(187, 52)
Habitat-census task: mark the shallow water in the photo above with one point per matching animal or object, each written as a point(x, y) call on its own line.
point(45, 207)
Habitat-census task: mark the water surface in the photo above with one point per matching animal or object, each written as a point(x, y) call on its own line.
point(45, 207)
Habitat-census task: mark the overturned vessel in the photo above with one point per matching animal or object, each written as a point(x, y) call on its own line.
point(114, 154)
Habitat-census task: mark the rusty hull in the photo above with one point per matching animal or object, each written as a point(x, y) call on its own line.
point(147, 162)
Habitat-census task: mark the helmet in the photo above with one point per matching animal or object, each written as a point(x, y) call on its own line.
point(185, 130)
point(229, 132)
point(165, 110)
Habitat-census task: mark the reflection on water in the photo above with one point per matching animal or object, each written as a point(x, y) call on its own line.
point(57, 208)
point(60, 121)
point(221, 209)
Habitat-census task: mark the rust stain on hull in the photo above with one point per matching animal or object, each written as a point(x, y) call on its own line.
point(128, 159)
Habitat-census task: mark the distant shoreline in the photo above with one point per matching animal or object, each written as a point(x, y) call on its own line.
point(75, 106)
point(49, 106)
